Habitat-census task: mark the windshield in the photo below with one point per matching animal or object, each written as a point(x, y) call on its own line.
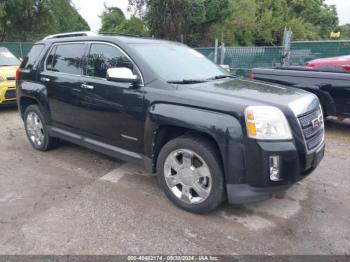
point(7, 58)
point(175, 62)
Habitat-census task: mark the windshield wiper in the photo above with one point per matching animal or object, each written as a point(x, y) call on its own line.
point(187, 81)
point(196, 81)
point(221, 77)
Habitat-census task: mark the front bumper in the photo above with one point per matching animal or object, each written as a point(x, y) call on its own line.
point(257, 185)
point(243, 193)
point(7, 93)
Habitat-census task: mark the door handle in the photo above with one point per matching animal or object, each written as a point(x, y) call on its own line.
point(89, 87)
point(45, 79)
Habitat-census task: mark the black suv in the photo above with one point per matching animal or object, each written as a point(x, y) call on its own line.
point(207, 135)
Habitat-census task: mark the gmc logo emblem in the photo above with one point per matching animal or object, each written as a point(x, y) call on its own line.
point(318, 122)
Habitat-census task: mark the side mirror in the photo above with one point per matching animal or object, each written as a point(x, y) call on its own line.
point(122, 74)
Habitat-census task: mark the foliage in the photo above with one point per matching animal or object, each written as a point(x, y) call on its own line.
point(67, 18)
point(345, 32)
point(175, 19)
point(29, 20)
point(111, 18)
point(114, 22)
point(132, 26)
point(237, 22)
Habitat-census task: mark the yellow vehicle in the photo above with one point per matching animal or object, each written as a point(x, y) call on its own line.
point(8, 66)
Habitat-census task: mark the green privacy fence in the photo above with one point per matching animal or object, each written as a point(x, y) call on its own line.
point(306, 51)
point(19, 49)
point(242, 59)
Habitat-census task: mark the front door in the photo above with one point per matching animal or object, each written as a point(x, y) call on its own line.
point(111, 112)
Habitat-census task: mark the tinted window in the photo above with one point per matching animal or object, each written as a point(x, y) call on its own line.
point(103, 57)
point(32, 57)
point(50, 59)
point(67, 58)
point(7, 58)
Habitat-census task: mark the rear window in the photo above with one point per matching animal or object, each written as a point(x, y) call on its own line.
point(7, 58)
point(33, 55)
point(66, 58)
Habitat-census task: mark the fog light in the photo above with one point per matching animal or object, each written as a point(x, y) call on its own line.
point(275, 168)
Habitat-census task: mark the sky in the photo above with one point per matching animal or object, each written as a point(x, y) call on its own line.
point(92, 9)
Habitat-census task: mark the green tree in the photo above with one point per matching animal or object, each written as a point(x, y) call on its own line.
point(320, 19)
point(67, 19)
point(132, 26)
point(171, 19)
point(238, 28)
point(114, 21)
point(175, 19)
point(240, 22)
point(111, 18)
point(30, 20)
point(345, 31)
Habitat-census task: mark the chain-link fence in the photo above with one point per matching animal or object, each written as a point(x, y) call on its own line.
point(242, 59)
point(19, 49)
point(309, 50)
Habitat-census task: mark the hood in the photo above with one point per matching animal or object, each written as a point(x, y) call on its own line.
point(236, 94)
point(8, 71)
point(252, 91)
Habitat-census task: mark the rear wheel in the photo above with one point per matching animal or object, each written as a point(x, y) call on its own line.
point(36, 129)
point(190, 173)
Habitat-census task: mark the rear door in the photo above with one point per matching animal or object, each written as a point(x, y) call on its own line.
point(63, 79)
point(112, 112)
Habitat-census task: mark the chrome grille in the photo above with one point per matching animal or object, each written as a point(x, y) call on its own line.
point(313, 128)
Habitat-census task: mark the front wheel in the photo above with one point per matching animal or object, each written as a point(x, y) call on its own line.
point(190, 173)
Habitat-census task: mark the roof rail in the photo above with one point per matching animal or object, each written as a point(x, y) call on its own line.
point(71, 34)
point(121, 34)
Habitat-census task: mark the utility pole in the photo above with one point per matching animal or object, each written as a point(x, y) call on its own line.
point(216, 51)
point(287, 39)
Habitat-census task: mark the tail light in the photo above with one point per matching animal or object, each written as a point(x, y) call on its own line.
point(18, 74)
point(251, 75)
point(310, 66)
point(346, 67)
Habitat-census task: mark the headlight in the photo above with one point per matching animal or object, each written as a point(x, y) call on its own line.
point(267, 123)
point(2, 79)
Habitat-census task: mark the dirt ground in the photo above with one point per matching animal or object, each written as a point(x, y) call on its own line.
point(75, 201)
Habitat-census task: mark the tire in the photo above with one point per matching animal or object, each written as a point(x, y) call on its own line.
point(36, 129)
point(187, 183)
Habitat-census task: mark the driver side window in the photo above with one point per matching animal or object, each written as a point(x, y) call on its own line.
point(102, 57)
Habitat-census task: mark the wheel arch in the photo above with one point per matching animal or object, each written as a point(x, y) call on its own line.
point(167, 121)
point(24, 102)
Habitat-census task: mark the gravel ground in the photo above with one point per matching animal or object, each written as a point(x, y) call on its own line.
point(75, 201)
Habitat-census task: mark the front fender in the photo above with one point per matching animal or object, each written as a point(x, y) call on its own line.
point(225, 129)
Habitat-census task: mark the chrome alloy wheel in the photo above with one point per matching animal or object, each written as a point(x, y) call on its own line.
point(35, 129)
point(188, 176)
